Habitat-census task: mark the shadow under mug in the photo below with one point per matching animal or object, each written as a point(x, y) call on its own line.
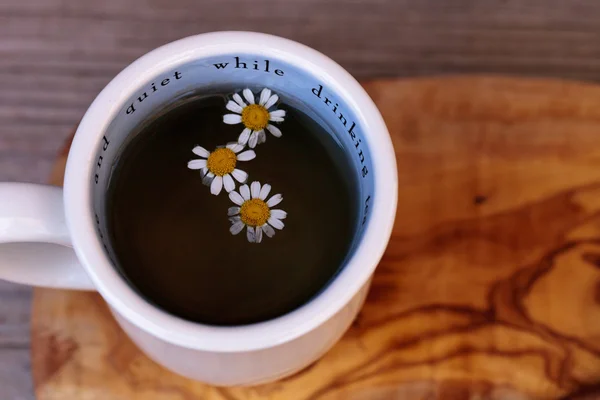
point(40, 226)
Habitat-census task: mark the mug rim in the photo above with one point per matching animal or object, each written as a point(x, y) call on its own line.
point(123, 299)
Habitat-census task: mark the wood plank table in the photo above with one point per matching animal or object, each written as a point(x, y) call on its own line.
point(56, 55)
point(489, 289)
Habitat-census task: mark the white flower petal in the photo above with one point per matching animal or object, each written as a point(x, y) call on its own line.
point(276, 223)
point(264, 96)
point(228, 183)
point(232, 119)
point(245, 192)
point(272, 100)
point(258, 234)
point(197, 164)
point(273, 201)
point(279, 214)
point(264, 191)
point(253, 140)
point(255, 189)
point(276, 119)
point(233, 106)
point(250, 234)
point(238, 99)
point(248, 95)
point(275, 131)
point(235, 147)
point(244, 136)
point(268, 230)
point(277, 113)
point(239, 175)
point(236, 228)
point(235, 219)
point(262, 136)
point(236, 198)
point(216, 185)
point(233, 211)
point(201, 151)
point(246, 155)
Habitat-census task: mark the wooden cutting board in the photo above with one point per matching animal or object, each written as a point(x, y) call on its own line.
point(489, 289)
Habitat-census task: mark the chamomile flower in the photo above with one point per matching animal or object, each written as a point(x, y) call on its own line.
point(218, 167)
point(255, 212)
point(254, 117)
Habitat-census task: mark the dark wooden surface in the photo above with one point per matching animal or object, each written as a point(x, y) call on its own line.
point(55, 55)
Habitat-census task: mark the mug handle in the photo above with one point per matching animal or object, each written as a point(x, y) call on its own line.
point(35, 246)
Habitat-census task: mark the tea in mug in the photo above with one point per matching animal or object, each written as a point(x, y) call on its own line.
point(231, 209)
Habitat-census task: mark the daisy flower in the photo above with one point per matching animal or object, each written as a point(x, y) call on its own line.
point(255, 212)
point(218, 168)
point(255, 117)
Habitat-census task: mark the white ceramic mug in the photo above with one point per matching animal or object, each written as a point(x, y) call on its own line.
point(40, 226)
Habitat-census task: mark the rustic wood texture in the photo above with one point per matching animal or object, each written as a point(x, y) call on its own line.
point(15, 381)
point(56, 55)
point(489, 289)
point(15, 372)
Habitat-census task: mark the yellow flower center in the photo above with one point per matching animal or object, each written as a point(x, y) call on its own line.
point(255, 212)
point(221, 161)
point(255, 117)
